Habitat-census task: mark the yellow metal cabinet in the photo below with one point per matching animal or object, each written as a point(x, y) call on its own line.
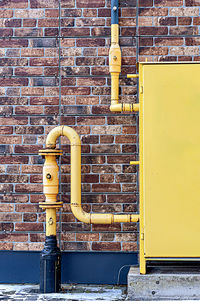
point(169, 161)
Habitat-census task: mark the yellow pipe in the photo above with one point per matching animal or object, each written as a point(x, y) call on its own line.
point(132, 75)
point(50, 221)
point(134, 162)
point(115, 69)
point(114, 63)
point(124, 107)
point(79, 213)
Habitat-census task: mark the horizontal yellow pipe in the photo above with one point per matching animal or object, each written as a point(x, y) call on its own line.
point(124, 107)
point(132, 75)
point(76, 208)
point(134, 162)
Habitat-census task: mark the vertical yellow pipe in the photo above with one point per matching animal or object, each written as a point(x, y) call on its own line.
point(50, 221)
point(114, 63)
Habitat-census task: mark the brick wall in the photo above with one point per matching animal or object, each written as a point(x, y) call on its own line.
point(54, 70)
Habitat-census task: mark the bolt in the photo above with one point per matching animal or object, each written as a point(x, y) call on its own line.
point(114, 58)
point(48, 176)
point(114, 8)
point(50, 221)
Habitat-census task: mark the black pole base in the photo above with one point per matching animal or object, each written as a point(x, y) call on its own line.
point(50, 266)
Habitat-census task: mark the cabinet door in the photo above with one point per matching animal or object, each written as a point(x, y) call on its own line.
point(171, 159)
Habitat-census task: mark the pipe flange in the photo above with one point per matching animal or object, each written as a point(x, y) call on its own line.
point(48, 205)
point(50, 152)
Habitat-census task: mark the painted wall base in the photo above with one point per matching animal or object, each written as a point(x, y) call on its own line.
point(77, 267)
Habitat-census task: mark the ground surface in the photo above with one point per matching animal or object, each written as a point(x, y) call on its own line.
point(69, 292)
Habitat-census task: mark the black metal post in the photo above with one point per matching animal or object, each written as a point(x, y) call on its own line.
point(50, 266)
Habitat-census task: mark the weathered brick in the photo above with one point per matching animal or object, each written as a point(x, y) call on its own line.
point(106, 246)
point(187, 21)
point(184, 11)
point(152, 31)
point(88, 42)
point(28, 32)
point(13, 179)
point(129, 247)
point(6, 13)
point(10, 237)
point(183, 30)
point(14, 4)
point(166, 3)
point(43, 4)
point(90, 3)
point(29, 227)
point(6, 246)
point(6, 217)
point(29, 217)
point(27, 188)
point(30, 91)
point(13, 62)
point(75, 246)
point(106, 188)
point(14, 82)
point(194, 50)
point(6, 226)
point(29, 23)
point(107, 236)
point(192, 2)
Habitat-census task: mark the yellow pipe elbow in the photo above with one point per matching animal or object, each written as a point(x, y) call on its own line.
point(79, 213)
point(53, 136)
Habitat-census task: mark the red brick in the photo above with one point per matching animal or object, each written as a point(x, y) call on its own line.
point(88, 42)
point(87, 236)
point(14, 4)
point(166, 3)
point(6, 246)
point(29, 23)
point(184, 30)
point(29, 227)
point(6, 13)
point(192, 2)
point(187, 21)
point(68, 3)
point(6, 130)
point(30, 91)
point(129, 247)
point(76, 246)
point(153, 11)
point(75, 90)
point(90, 3)
point(153, 31)
point(43, 3)
point(32, 110)
point(106, 246)
point(6, 217)
point(27, 188)
point(43, 61)
point(106, 188)
point(29, 217)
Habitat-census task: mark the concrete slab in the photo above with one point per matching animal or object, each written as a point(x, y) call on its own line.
point(163, 285)
point(68, 292)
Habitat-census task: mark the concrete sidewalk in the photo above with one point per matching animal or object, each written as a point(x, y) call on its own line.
point(69, 292)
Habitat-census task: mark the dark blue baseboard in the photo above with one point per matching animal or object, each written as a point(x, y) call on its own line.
point(77, 267)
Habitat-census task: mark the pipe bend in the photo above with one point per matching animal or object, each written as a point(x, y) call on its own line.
point(53, 136)
point(77, 210)
point(62, 130)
